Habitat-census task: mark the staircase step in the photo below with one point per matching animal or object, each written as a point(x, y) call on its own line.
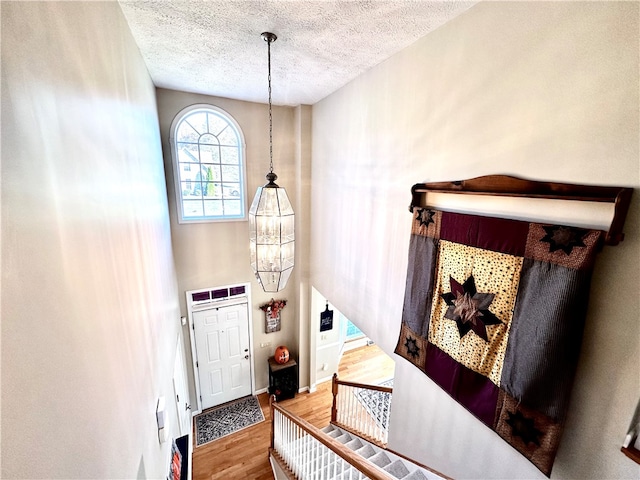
point(344, 438)
point(354, 444)
point(417, 475)
point(329, 428)
point(380, 459)
point(397, 469)
point(366, 451)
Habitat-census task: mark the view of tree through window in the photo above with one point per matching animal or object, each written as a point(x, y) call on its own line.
point(209, 168)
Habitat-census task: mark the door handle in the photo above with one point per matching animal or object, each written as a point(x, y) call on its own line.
point(246, 357)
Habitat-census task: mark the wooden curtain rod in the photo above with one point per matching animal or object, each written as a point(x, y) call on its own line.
point(504, 185)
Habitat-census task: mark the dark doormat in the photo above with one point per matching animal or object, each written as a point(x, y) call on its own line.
point(226, 419)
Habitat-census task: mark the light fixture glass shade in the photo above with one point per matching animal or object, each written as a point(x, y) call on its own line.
point(272, 237)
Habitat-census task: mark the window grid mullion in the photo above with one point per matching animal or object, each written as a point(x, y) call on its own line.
point(195, 186)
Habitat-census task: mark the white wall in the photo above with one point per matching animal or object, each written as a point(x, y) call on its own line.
point(214, 254)
point(328, 345)
point(541, 90)
point(90, 311)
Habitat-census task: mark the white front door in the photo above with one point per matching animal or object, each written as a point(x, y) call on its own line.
point(222, 344)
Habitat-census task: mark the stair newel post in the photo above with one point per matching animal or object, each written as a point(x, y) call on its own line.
point(272, 400)
point(334, 391)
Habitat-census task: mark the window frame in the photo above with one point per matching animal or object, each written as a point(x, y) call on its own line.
point(173, 142)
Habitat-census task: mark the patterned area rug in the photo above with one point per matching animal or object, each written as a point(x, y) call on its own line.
point(377, 403)
point(227, 419)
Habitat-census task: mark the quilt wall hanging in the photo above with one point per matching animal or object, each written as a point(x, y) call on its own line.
point(494, 312)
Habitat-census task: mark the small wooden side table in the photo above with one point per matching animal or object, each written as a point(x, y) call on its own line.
point(283, 379)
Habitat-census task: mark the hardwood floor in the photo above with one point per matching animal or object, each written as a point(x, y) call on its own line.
point(244, 455)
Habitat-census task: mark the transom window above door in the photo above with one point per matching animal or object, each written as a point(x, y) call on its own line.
point(208, 165)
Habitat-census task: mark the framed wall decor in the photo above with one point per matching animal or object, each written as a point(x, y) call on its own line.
point(326, 319)
point(272, 311)
point(271, 323)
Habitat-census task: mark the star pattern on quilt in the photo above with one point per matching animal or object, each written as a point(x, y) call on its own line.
point(412, 347)
point(563, 238)
point(523, 427)
point(425, 216)
point(469, 308)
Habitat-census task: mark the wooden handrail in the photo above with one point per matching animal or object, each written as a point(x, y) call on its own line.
point(378, 388)
point(338, 448)
point(504, 185)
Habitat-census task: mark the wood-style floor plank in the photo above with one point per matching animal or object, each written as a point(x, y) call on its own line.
point(244, 454)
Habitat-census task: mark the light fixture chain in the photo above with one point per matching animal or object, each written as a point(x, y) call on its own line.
point(270, 114)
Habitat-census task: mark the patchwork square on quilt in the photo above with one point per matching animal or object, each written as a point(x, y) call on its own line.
point(473, 328)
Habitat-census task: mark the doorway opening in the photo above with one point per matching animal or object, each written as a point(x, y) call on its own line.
point(221, 344)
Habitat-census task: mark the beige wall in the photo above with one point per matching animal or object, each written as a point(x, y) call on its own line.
point(216, 254)
point(302, 205)
point(542, 90)
point(90, 309)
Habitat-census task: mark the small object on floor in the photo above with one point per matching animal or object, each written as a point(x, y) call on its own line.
point(227, 419)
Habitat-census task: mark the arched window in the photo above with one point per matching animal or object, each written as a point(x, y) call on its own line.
point(208, 165)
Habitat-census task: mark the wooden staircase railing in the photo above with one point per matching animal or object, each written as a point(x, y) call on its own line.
point(304, 451)
point(353, 413)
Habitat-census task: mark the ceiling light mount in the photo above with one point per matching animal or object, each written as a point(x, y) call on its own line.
point(269, 37)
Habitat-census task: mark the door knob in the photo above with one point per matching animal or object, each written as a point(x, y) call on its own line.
point(247, 357)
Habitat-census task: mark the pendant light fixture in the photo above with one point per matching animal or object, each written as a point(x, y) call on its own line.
point(271, 219)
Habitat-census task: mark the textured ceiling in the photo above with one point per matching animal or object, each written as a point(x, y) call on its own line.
point(215, 47)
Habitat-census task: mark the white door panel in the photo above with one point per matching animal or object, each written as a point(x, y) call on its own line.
point(222, 348)
point(213, 347)
point(215, 382)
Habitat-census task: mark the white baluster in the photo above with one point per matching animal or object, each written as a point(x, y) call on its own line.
point(334, 460)
point(354, 411)
point(305, 451)
point(310, 455)
point(285, 442)
point(362, 419)
point(343, 406)
point(316, 459)
point(298, 447)
point(288, 427)
point(301, 450)
point(283, 435)
point(289, 445)
point(307, 455)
